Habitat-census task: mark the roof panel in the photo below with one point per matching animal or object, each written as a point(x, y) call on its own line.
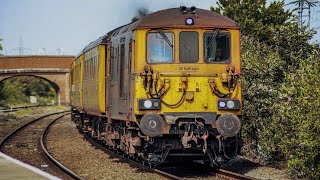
point(174, 18)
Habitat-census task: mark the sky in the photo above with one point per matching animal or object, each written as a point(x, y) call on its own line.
point(67, 26)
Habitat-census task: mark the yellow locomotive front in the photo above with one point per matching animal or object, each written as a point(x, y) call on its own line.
point(186, 89)
point(165, 87)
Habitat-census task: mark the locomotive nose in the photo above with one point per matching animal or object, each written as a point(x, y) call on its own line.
point(228, 125)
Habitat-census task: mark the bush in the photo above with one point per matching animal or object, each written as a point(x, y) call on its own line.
point(299, 110)
point(17, 90)
point(262, 76)
point(281, 118)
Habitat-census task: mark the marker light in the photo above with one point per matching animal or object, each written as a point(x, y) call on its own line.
point(230, 104)
point(189, 21)
point(156, 104)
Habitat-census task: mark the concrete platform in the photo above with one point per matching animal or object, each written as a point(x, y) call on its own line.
point(14, 169)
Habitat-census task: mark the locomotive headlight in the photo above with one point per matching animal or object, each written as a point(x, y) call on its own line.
point(222, 104)
point(149, 104)
point(189, 21)
point(228, 104)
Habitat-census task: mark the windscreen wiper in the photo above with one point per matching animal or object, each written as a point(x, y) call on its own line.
point(214, 35)
point(165, 37)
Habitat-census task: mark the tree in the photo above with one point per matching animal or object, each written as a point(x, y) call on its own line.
point(253, 16)
point(0, 44)
point(0, 47)
point(141, 12)
point(17, 91)
point(281, 85)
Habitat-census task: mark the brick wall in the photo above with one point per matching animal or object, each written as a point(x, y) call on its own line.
point(23, 62)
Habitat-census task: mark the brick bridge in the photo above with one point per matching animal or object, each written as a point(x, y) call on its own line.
point(54, 69)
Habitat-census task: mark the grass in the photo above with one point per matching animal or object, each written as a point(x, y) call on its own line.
point(10, 124)
point(31, 111)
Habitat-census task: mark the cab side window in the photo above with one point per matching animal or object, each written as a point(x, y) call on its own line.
point(216, 49)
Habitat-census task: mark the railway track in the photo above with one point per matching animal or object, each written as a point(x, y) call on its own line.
point(23, 144)
point(231, 175)
point(52, 159)
point(168, 173)
point(39, 128)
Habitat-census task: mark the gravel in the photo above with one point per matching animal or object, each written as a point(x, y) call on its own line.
point(68, 146)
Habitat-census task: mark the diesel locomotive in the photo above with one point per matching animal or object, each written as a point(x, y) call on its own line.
point(163, 88)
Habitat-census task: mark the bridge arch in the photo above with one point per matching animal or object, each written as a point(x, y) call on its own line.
point(54, 69)
point(60, 82)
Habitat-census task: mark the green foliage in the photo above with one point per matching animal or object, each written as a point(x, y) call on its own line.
point(21, 113)
point(0, 44)
point(281, 118)
point(291, 43)
point(253, 16)
point(269, 24)
point(262, 76)
point(11, 93)
point(16, 91)
point(299, 110)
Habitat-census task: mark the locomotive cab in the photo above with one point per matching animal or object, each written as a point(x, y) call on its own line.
point(187, 89)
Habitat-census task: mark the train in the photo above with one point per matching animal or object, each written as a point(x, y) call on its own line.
point(164, 88)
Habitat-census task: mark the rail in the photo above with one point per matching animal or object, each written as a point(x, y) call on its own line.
point(51, 158)
point(58, 165)
point(231, 175)
point(25, 125)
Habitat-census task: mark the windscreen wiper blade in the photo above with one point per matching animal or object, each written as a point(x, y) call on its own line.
point(165, 37)
point(214, 35)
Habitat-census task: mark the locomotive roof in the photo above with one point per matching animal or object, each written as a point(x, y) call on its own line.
point(174, 18)
point(170, 18)
point(100, 40)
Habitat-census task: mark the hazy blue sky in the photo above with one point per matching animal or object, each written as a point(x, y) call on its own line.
point(71, 24)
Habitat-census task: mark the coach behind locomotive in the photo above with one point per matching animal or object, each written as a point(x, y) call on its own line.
point(154, 89)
